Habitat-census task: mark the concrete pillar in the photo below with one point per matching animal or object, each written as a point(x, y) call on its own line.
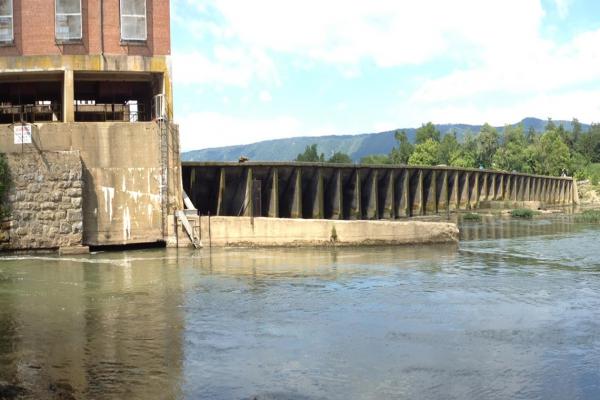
point(318, 196)
point(456, 192)
point(355, 200)
point(574, 192)
point(506, 188)
point(68, 96)
point(418, 206)
point(220, 198)
point(465, 196)
point(485, 188)
point(337, 206)
point(388, 196)
point(273, 211)
point(370, 205)
point(247, 204)
point(403, 194)
point(514, 188)
point(500, 195)
point(474, 200)
point(430, 192)
point(296, 197)
point(492, 187)
point(443, 192)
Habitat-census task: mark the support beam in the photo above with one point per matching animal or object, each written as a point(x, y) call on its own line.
point(296, 197)
point(318, 196)
point(68, 96)
point(370, 205)
point(221, 194)
point(387, 201)
point(273, 210)
point(355, 199)
point(403, 194)
point(337, 196)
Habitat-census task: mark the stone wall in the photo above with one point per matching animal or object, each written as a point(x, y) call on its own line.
point(44, 201)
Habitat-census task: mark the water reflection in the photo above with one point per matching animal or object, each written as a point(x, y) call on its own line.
point(513, 312)
point(75, 329)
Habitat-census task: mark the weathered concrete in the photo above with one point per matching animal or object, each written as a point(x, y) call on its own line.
point(356, 192)
point(281, 232)
point(44, 201)
point(122, 176)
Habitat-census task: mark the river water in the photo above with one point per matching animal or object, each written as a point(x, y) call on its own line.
point(512, 312)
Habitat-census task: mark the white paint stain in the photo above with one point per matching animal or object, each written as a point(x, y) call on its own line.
point(109, 195)
point(123, 185)
point(126, 224)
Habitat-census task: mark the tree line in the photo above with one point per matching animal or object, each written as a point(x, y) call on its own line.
point(553, 151)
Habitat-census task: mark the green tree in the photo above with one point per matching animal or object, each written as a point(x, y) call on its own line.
point(340, 158)
point(427, 131)
point(375, 159)
point(512, 155)
point(448, 147)
point(426, 153)
point(486, 145)
point(310, 155)
point(551, 154)
point(401, 154)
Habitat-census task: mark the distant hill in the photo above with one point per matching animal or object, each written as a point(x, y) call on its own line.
point(356, 146)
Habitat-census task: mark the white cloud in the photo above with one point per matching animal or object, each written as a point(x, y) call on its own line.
point(388, 32)
point(265, 96)
point(562, 7)
point(227, 66)
point(210, 129)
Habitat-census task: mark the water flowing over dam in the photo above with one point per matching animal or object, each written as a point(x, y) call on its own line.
point(354, 192)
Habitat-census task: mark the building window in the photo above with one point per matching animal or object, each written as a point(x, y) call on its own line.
point(6, 21)
point(133, 20)
point(68, 20)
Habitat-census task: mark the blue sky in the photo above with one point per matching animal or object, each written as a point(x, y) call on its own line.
point(246, 71)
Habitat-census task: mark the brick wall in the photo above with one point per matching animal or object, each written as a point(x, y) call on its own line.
point(44, 201)
point(34, 30)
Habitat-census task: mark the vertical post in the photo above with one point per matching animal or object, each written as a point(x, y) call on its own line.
point(443, 193)
point(274, 195)
point(296, 206)
point(337, 209)
point(355, 206)
point(456, 193)
point(418, 207)
point(318, 206)
point(475, 190)
point(388, 202)
point(248, 198)
point(220, 199)
point(431, 205)
point(403, 198)
point(500, 193)
point(371, 205)
point(69, 96)
point(466, 194)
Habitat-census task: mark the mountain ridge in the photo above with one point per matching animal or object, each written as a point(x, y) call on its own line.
point(356, 146)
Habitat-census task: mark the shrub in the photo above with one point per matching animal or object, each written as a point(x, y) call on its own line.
point(524, 213)
point(589, 216)
point(4, 181)
point(471, 217)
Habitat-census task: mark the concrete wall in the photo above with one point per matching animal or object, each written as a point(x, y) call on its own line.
point(44, 201)
point(355, 192)
point(279, 232)
point(122, 170)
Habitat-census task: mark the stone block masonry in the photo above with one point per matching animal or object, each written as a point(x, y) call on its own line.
point(44, 201)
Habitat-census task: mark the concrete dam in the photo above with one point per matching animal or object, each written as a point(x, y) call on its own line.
point(359, 192)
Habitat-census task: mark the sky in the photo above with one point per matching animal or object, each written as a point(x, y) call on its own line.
point(246, 71)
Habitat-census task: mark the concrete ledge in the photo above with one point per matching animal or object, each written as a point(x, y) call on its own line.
point(73, 250)
point(283, 232)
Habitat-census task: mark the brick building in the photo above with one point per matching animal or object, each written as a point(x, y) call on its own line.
point(83, 60)
point(88, 79)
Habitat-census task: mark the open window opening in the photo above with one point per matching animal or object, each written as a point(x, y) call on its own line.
point(115, 97)
point(31, 98)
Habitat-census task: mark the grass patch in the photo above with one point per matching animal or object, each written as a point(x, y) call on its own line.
point(589, 216)
point(471, 217)
point(524, 213)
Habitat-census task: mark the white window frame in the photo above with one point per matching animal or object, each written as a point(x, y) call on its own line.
point(145, 15)
point(80, 14)
point(12, 23)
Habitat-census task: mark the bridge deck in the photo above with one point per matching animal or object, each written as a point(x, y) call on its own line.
point(347, 191)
